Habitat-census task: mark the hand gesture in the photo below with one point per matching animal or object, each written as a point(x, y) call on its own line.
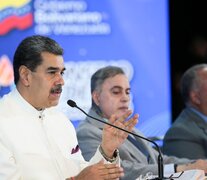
point(100, 171)
point(112, 137)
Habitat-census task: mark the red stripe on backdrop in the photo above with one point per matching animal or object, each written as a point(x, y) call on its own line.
point(13, 22)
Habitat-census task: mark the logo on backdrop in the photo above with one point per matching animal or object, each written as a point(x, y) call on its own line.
point(15, 14)
point(6, 71)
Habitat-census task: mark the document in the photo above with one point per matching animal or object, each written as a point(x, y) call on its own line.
point(184, 175)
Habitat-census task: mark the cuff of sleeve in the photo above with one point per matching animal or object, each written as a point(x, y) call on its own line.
point(111, 160)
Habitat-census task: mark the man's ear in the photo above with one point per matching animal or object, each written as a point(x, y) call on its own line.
point(195, 98)
point(95, 96)
point(24, 74)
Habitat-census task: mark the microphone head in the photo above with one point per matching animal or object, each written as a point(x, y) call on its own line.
point(71, 103)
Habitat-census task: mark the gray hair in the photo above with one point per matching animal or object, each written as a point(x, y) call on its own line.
point(98, 79)
point(190, 81)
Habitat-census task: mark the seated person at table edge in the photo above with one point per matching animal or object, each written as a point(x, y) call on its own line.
point(110, 92)
point(187, 137)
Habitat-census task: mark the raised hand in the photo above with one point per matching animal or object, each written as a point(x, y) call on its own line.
point(112, 138)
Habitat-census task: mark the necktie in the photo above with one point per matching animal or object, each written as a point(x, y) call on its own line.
point(139, 146)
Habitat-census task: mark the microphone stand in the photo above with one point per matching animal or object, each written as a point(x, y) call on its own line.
point(160, 159)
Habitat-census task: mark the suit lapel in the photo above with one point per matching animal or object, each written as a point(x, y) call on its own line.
point(201, 123)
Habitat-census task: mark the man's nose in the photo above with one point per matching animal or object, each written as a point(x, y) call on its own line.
point(125, 97)
point(59, 80)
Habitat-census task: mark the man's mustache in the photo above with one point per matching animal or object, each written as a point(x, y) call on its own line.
point(57, 89)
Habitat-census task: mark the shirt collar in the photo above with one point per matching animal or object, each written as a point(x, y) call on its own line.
point(199, 114)
point(27, 107)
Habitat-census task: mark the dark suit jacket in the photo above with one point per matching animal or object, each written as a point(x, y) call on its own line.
point(134, 162)
point(187, 137)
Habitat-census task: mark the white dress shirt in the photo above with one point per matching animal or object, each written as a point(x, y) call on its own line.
point(37, 145)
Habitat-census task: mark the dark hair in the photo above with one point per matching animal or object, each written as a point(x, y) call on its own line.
point(28, 53)
point(190, 81)
point(99, 77)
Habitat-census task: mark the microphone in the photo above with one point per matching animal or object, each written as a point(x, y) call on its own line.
point(73, 104)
